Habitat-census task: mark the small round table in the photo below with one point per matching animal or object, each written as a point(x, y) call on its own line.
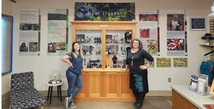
point(50, 89)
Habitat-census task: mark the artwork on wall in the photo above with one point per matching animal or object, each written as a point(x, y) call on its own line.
point(180, 62)
point(148, 17)
point(163, 62)
point(104, 11)
point(175, 21)
point(148, 31)
point(197, 24)
point(57, 31)
point(176, 33)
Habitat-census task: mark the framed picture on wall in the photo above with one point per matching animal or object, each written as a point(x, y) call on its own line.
point(197, 24)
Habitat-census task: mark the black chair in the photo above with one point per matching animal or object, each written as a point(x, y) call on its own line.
point(23, 94)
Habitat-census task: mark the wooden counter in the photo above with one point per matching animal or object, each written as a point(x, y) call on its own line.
point(183, 98)
point(106, 85)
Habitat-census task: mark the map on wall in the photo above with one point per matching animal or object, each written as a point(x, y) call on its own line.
point(104, 11)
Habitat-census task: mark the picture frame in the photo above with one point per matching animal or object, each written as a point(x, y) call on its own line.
point(198, 24)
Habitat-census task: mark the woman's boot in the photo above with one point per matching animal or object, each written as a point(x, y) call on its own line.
point(138, 105)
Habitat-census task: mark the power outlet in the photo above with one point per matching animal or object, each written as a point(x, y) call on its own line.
point(169, 79)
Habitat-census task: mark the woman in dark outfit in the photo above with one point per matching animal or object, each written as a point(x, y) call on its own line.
point(75, 61)
point(138, 71)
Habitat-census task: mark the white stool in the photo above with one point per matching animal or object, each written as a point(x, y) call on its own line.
point(50, 89)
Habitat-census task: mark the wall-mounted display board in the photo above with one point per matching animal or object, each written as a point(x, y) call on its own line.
point(197, 24)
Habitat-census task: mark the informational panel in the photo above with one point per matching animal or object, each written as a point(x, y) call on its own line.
point(176, 33)
point(29, 27)
point(148, 30)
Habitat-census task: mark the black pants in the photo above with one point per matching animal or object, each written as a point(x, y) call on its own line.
point(139, 96)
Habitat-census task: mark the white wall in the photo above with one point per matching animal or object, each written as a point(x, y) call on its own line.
point(43, 65)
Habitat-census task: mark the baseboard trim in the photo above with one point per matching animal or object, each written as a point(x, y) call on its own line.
point(159, 93)
point(5, 97)
point(151, 93)
point(54, 93)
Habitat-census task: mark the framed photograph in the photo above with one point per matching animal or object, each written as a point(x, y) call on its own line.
point(197, 24)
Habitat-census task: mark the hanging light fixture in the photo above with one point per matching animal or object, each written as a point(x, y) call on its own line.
point(212, 11)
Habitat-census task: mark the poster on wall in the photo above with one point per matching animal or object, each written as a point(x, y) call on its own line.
point(29, 27)
point(148, 31)
point(180, 62)
point(163, 62)
point(57, 31)
point(86, 11)
point(176, 33)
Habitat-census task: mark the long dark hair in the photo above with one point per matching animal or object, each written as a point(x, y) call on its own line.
point(73, 50)
point(140, 43)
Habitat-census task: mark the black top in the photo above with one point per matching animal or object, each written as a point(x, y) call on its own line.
point(134, 60)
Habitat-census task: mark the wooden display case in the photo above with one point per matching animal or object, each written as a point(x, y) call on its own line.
point(104, 44)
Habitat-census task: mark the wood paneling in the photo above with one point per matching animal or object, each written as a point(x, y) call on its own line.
point(179, 102)
point(105, 87)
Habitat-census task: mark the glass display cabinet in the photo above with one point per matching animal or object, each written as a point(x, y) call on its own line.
point(90, 41)
point(117, 43)
point(104, 43)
